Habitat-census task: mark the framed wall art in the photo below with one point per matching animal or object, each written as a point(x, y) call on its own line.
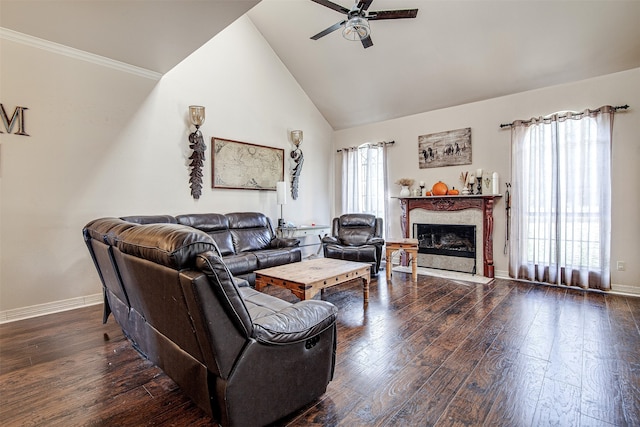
point(245, 166)
point(450, 148)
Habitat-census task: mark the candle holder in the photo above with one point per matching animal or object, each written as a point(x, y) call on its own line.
point(421, 190)
point(479, 187)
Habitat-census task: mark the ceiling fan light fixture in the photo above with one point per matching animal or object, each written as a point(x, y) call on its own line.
point(356, 29)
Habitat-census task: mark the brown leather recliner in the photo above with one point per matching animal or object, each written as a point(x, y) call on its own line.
point(356, 237)
point(246, 358)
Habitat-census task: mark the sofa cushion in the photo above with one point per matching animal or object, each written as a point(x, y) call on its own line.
point(150, 219)
point(274, 257)
point(365, 253)
point(356, 229)
point(295, 323)
point(251, 231)
point(241, 263)
point(215, 225)
point(171, 245)
point(247, 240)
point(260, 304)
point(352, 237)
point(277, 322)
point(104, 229)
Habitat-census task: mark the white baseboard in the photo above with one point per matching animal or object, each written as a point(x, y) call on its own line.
point(501, 274)
point(629, 290)
point(49, 308)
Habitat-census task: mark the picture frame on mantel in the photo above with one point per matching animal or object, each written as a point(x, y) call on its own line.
point(450, 148)
point(244, 166)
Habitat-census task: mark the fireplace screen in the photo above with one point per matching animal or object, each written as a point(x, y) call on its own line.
point(446, 246)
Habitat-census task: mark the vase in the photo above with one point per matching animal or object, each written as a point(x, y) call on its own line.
point(404, 192)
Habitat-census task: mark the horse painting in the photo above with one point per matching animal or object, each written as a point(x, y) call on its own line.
point(454, 147)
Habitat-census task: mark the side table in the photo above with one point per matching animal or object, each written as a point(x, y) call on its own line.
point(302, 231)
point(410, 246)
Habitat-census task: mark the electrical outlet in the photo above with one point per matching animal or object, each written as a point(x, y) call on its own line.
point(620, 266)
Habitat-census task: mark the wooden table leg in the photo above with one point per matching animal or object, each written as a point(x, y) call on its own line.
point(389, 264)
point(366, 288)
point(414, 265)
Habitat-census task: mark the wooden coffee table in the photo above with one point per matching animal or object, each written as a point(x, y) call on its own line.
point(305, 279)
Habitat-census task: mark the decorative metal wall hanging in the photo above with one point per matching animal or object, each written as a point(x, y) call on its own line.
point(196, 115)
point(298, 159)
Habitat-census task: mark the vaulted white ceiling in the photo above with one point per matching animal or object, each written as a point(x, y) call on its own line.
point(453, 53)
point(152, 34)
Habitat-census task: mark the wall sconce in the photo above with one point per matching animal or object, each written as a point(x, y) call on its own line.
point(281, 192)
point(196, 116)
point(298, 158)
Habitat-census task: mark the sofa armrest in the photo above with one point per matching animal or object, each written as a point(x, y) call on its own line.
point(283, 242)
point(295, 323)
point(379, 241)
point(330, 240)
point(240, 283)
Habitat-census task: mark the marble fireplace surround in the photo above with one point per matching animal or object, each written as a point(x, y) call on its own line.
point(472, 210)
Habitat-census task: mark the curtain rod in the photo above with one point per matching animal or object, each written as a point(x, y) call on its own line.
point(367, 143)
point(620, 107)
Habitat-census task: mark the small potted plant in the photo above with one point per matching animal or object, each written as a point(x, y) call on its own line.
point(405, 183)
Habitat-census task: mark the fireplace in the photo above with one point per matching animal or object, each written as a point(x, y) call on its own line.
point(446, 246)
point(476, 210)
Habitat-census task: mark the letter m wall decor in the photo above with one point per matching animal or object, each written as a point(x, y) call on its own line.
point(16, 119)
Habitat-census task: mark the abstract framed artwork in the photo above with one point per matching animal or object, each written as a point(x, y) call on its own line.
point(245, 166)
point(450, 148)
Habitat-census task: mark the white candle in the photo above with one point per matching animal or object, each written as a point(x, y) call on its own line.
point(472, 179)
point(495, 179)
point(421, 183)
point(479, 173)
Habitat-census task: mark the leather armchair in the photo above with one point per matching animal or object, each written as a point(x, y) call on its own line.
point(356, 237)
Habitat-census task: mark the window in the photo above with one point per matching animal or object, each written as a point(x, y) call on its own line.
point(364, 180)
point(561, 171)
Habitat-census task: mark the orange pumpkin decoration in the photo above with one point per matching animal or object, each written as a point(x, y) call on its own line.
point(453, 192)
point(428, 193)
point(439, 189)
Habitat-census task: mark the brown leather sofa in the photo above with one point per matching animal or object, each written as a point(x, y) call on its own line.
point(246, 240)
point(246, 358)
point(356, 237)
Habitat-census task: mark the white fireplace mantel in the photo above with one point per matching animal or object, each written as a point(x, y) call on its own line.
point(455, 203)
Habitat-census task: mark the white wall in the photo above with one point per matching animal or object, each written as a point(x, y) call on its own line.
point(491, 152)
point(109, 143)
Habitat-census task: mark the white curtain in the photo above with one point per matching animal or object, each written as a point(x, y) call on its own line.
point(364, 180)
point(350, 180)
point(561, 201)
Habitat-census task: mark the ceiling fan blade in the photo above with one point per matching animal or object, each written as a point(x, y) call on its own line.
point(332, 5)
point(331, 29)
point(366, 42)
point(392, 14)
point(364, 4)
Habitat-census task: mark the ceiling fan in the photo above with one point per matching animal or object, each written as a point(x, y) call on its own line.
point(356, 26)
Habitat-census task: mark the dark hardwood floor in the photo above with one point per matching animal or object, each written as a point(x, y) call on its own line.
point(437, 352)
